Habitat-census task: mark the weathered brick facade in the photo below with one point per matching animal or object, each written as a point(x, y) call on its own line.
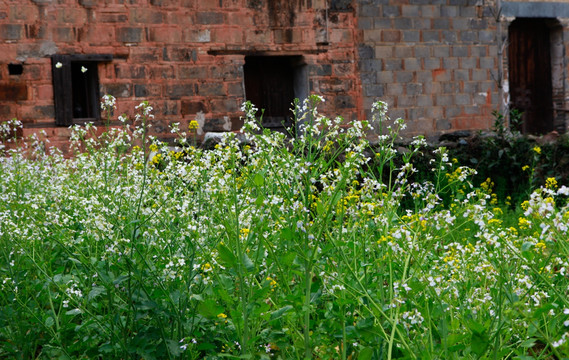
point(436, 62)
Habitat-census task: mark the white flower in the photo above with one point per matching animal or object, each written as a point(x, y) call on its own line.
point(58, 65)
point(83, 69)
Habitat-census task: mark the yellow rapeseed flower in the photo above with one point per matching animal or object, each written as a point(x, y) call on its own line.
point(193, 125)
point(551, 183)
point(537, 150)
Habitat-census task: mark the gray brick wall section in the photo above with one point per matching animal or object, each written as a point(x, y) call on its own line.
point(433, 61)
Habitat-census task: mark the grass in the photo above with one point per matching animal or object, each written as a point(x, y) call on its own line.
point(272, 248)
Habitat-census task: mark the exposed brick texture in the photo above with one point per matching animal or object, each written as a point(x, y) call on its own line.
point(186, 57)
point(434, 62)
point(429, 62)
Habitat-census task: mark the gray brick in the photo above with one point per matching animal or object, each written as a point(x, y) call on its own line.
point(462, 99)
point(471, 110)
point(468, 36)
point(452, 111)
point(486, 36)
point(422, 51)
point(441, 24)
point(461, 75)
point(449, 87)
point(391, 11)
point(394, 89)
point(441, 51)
point(431, 36)
point(431, 11)
point(417, 113)
point(493, 50)
point(209, 18)
point(11, 31)
point(443, 124)
point(385, 77)
point(320, 70)
point(367, 77)
point(373, 90)
point(424, 100)
point(442, 76)
point(424, 76)
point(434, 112)
point(421, 24)
point(471, 87)
point(365, 52)
point(467, 63)
point(392, 64)
point(177, 91)
point(449, 36)
point(487, 62)
point(479, 75)
point(460, 24)
point(486, 86)
point(403, 51)
point(458, 2)
point(459, 51)
point(404, 76)
point(383, 51)
point(411, 35)
point(467, 11)
point(402, 23)
point(365, 23)
point(478, 24)
point(383, 23)
point(444, 100)
point(414, 89)
point(449, 11)
point(369, 10)
point(412, 64)
point(129, 35)
point(479, 98)
point(450, 63)
point(478, 51)
point(432, 63)
point(406, 101)
point(370, 65)
point(410, 10)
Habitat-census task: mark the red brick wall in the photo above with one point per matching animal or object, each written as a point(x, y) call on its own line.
point(184, 56)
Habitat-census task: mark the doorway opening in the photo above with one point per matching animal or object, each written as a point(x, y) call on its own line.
point(272, 83)
point(535, 64)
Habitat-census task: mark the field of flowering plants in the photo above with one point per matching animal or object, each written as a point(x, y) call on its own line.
point(318, 246)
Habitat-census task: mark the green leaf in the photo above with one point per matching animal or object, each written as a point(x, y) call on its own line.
point(280, 312)
point(174, 347)
point(226, 256)
point(209, 309)
point(49, 322)
point(528, 343)
point(73, 312)
point(365, 354)
point(479, 343)
point(249, 266)
point(95, 291)
point(259, 179)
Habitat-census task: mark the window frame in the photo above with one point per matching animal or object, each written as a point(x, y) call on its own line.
point(63, 86)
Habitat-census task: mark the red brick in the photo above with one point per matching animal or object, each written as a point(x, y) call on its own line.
point(45, 92)
point(13, 92)
point(228, 35)
point(165, 34)
point(146, 16)
point(190, 107)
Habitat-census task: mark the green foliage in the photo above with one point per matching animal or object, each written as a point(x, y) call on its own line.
point(266, 247)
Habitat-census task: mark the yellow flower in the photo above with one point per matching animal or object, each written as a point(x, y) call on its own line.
point(525, 167)
point(537, 149)
point(551, 183)
point(193, 125)
point(222, 316)
point(153, 147)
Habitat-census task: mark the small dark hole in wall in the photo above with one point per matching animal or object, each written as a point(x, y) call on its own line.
point(15, 69)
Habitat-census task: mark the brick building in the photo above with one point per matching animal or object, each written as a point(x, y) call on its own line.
point(444, 65)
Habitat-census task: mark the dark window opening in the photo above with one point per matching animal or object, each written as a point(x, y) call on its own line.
point(85, 87)
point(272, 83)
point(76, 88)
point(530, 73)
point(15, 69)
